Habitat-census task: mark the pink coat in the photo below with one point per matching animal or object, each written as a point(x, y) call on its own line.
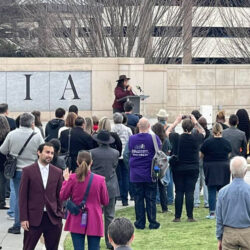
point(98, 196)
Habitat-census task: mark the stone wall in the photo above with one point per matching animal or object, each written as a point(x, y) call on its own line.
point(177, 88)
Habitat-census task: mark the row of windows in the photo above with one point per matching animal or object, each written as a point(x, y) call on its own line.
point(160, 31)
point(64, 8)
point(215, 3)
point(204, 32)
point(204, 60)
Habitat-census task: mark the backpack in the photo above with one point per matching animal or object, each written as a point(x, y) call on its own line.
point(159, 164)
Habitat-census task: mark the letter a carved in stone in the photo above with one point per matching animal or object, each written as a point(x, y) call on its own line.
point(70, 80)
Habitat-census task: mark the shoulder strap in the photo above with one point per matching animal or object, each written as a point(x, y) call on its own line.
point(155, 142)
point(87, 190)
point(178, 147)
point(25, 144)
point(68, 152)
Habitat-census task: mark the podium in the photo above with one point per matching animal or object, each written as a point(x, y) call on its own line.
point(136, 100)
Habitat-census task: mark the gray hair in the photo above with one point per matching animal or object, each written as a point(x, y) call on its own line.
point(26, 120)
point(238, 166)
point(117, 117)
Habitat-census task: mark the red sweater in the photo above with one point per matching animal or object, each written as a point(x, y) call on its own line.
point(120, 93)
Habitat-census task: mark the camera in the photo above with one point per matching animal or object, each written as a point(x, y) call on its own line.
point(186, 116)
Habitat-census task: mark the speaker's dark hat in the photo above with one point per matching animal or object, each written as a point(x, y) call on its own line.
point(123, 77)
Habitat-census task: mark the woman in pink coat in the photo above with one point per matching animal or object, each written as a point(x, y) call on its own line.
point(75, 186)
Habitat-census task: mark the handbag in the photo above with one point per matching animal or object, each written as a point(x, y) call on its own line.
point(159, 163)
point(11, 161)
point(174, 159)
point(76, 209)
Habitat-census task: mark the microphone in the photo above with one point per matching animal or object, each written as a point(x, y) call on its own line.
point(139, 88)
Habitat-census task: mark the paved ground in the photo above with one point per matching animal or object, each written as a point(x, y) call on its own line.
point(14, 242)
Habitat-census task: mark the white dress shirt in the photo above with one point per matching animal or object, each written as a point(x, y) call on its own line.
point(44, 173)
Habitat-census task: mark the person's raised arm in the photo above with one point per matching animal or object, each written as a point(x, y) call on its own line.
point(198, 126)
point(173, 125)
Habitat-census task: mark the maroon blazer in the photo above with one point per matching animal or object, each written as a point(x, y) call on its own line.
point(33, 197)
point(120, 93)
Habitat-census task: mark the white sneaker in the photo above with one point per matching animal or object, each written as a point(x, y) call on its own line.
point(210, 217)
point(10, 217)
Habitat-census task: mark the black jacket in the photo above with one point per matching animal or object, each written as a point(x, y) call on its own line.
point(11, 122)
point(79, 140)
point(52, 128)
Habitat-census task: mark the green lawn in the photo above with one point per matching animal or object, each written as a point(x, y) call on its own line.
point(173, 236)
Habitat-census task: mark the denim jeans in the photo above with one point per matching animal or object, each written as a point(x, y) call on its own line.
point(212, 191)
point(16, 182)
point(170, 187)
point(145, 191)
point(11, 211)
point(184, 185)
point(201, 179)
point(122, 172)
point(168, 180)
point(79, 241)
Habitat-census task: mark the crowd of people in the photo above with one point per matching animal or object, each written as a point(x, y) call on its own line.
point(88, 164)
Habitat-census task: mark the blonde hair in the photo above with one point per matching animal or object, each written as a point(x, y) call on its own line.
point(89, 125)
point(84, 160)
point(217, 128)
point(104, 124)
point(95, 120)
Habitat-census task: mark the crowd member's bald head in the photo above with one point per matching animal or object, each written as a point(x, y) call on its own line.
point(238, 167)
point(143, 125)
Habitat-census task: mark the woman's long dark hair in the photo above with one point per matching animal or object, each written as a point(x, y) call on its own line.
point(120, 83)
point(158, 129)
point(4, 127)
point(57, 147)
point(244, 123)
point(37, 115)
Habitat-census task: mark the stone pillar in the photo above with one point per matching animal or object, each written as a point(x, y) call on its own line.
point(187, 31)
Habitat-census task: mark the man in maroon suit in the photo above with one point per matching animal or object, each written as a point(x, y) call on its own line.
point(39, 204)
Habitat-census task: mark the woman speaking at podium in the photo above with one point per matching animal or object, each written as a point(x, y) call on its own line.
point(122, 89)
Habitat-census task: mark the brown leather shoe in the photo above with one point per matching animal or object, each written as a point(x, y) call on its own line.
point(191, 220)
point(176, 220)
